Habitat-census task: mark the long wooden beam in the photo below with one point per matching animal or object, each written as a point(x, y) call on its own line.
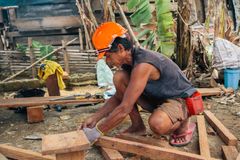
point(145, 149)
point(111, 154)
point(37, 101)
point(223, 132)
point(22, 154)
point(210, 91)
point(145, 140)
point(203, 140)
point(229, 152)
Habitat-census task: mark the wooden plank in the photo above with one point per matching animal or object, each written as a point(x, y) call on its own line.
point(223, 132)
point(110, 154)
point(145, 140)
point(210, 91)
point(203, 140)
point(145, 149)
point(35, 114)
point(37, 101)
point(229, 152)
point(47, 22)
point(71, 156)
point(22, 154)
point(64, 143)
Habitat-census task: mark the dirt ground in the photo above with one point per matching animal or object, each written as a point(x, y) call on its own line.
point(14, 128)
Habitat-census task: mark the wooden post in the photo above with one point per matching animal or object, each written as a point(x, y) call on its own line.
point(32, 57)
point(71, 145)
point(66, 57)
point(80, 39)
point(35, 114)
point(203, 141)
point(230, 152)
point(12, 14)
point(223, 132)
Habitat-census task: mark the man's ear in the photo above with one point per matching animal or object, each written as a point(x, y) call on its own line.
point(121, 47)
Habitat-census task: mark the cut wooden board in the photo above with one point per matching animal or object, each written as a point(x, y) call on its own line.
point(210, 91)
point(203, 140)
point(22, 154)
point(145, 149)
point(37, 101)
point(145, 140)
point(223, 132)
point(65, 143)
point(229, 152)
point(71, 156)
point(110, 154)
point(35, 114)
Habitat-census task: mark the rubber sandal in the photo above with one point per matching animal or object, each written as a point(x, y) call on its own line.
point(190, 132)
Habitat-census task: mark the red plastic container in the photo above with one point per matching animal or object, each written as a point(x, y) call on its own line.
point(195, 104)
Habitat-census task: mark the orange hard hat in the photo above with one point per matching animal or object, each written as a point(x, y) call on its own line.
point(105, 35)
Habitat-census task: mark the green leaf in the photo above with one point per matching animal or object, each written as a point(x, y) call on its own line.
point(143, 33)
point(132, 4)
point(44, 50)
point(149, 39)
point(21, 48)
point(36, 44)
point(142, 14)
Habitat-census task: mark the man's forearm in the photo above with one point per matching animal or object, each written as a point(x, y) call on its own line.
point(108, 107)
point(115, 118)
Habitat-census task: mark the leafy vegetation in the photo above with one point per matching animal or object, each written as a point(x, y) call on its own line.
point(155, 23)
point(44, 49)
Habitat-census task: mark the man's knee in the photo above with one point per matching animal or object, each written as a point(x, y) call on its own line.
point(120, 78)
point(159, 123)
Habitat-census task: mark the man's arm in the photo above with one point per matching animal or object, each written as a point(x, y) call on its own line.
point(106, 108)
point(138, 80)
point(102, 112)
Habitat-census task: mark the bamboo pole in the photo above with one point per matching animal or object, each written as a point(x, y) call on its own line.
point(60, 48)
point(128, 25)
point(66, 57)
point(87, 36)
point(88, 4)
point(111, 11)
point(80, 39)
point(32, 57)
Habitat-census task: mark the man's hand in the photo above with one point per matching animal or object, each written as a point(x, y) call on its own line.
point(88, 123)
point(92, 134)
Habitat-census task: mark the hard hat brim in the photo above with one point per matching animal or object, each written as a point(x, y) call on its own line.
point(101, 55)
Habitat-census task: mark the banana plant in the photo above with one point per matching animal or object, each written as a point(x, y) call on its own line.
point(155, 24)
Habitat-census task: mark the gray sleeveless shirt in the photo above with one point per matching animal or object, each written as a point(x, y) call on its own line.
point(172, 82)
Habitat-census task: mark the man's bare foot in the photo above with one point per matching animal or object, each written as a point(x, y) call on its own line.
point(140, 130)
point(183, 135)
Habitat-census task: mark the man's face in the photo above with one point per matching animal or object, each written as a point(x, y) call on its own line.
point(115, 59)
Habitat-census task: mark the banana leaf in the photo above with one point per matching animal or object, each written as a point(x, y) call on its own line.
point(142, 14)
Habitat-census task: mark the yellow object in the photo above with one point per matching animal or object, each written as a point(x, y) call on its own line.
point(50, 68)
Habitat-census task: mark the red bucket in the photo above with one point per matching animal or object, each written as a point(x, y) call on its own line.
point(195, 104)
